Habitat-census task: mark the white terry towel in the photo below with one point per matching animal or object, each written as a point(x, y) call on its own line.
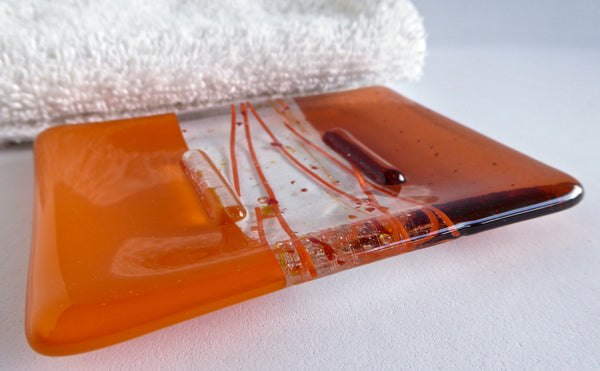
point(70, 61)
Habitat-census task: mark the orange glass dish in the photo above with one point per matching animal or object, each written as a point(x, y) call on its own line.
point(145, 222)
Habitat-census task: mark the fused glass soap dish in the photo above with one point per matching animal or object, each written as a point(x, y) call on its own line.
point(145, 222)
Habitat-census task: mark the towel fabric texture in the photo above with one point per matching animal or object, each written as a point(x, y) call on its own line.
point(74, 61)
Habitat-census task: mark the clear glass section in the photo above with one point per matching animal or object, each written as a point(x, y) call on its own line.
point(339, 180)
point(217, 197)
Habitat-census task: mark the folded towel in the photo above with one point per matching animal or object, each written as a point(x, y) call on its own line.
point(71, 61)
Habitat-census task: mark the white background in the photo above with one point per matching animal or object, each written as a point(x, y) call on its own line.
point(522, 296)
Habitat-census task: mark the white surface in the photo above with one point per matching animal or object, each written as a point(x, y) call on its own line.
point(523, 296)
point(511, 22)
